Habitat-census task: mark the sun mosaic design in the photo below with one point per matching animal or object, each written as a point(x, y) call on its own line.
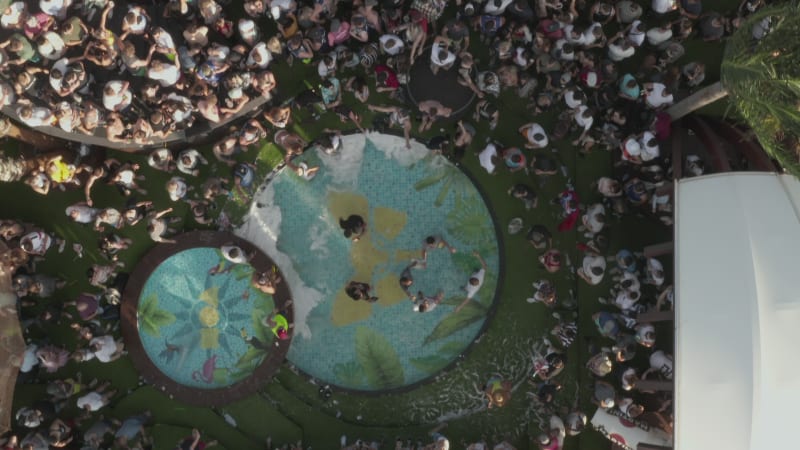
point(200, 329)
point(404, 196)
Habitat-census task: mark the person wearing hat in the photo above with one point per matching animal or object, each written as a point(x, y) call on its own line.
point(498, 391)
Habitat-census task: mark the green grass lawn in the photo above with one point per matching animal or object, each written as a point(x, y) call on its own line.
point(288, 408)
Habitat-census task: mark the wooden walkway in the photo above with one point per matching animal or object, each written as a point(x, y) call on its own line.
point(192, 136)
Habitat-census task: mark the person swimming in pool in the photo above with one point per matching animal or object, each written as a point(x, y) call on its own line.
point(354, 227)
point(360, 291)
point(406, 279)
point(425, 303)
point(434, 242)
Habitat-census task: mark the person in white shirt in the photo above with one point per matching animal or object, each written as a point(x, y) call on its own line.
point(247, 30)
point(163, 41)
point(136, 20)
point(189, 160)
point(649, 145)
point(117, 95)
point(496, 7)
point(488, 158)
point(628, 281)
point(391, 44)
point(441, 57)
point(636, 34)
point(56, 8)
point(631, 150)
point(105, 348)
point(96, 399)
point(51, 46)
point(13, 16)
point(563, 50)
point(475, 282)
point(574, 98)
point(574, 36)
point(658, 35)
point(177, 188)
point(657, 95)
point(593, 35)
point(654, 272)
point(327, 65)
point(595, 219)
point(165, 74)
point(234, 254)
point(592, 269)
point(620, 48)
point(584, 117)
point(425, 303)
point(535, 134)
point(663, 6)
point(662, 363)
point(259, 56)
point(35, 116)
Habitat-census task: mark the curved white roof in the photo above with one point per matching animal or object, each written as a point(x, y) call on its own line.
point(737, 317)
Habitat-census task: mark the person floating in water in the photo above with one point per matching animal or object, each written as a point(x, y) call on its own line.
point(425, 303)
point(354, 227)
point(360, 291)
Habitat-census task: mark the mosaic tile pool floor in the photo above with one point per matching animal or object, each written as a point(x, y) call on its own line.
point(404, 196)
point(199, 329)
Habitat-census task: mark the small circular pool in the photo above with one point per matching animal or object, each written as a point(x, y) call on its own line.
point(196, 321)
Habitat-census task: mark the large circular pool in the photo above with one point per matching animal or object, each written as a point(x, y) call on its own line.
point(404, 195)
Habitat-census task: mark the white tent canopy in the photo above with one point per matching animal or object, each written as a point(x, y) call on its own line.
point(737, 316)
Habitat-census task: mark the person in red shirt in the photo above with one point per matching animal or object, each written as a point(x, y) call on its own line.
point(386, 78)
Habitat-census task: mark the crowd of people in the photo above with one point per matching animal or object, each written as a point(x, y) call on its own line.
point(134, 73)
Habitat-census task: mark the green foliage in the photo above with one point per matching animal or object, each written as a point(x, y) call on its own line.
point(152, 318)
point(468, 222)
point(763, 81)
point(350, 373)
point(251, 358)
point(378, 359)
point(469, 314)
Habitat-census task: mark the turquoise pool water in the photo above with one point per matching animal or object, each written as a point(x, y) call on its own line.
point(386, 344)
point(203, 330)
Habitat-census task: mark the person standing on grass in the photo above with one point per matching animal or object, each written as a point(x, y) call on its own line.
point(474, 283)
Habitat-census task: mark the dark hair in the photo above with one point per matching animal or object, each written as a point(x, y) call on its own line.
point(538, 136)
point(430, 240)
point(627, 260)
point(597, 271)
